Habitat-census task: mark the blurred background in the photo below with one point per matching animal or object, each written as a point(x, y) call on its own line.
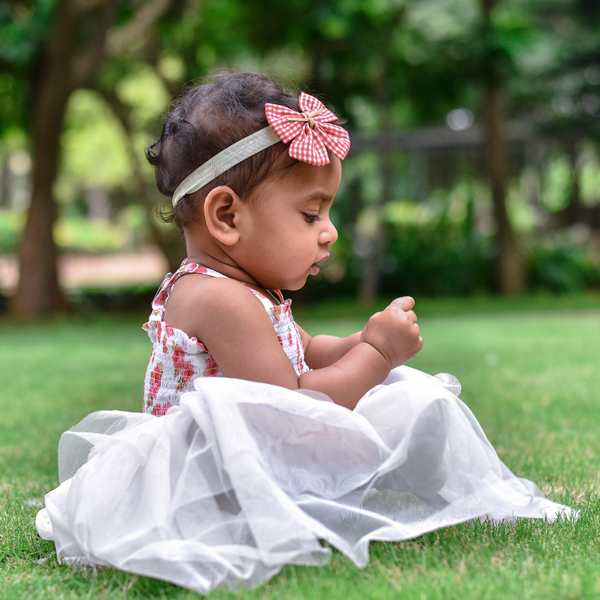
point(475, 127)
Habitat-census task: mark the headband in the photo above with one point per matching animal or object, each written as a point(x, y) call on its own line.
point(310, 132)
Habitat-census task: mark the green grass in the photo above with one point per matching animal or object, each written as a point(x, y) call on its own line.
point(531, 377)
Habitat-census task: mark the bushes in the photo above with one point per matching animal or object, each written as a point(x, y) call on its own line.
point(441, 259)
point(437, 260)
point(79, 235)
point(562, 266)
point(435, 257)
point(11, 225)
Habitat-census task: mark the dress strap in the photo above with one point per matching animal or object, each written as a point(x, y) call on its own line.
point(267, 302)
point(159, 304)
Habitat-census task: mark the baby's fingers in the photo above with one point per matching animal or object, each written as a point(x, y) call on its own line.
point(419, 347)
point(405, 303)
point(411, 316)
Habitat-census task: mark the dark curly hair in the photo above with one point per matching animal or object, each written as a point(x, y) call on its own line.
point(205, 120)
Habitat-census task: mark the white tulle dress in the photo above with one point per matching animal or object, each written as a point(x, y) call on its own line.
point(242, 478)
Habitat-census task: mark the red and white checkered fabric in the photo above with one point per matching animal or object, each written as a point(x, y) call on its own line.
point(309, 144)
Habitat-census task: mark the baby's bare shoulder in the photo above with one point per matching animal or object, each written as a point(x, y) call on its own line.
point(198, 300)
point(198, 287)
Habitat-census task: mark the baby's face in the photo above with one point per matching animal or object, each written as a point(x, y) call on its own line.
point(286, 227)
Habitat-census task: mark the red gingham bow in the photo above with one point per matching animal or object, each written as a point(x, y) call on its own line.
point(312, 131)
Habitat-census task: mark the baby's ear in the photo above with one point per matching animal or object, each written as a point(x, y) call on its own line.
point(220, 210)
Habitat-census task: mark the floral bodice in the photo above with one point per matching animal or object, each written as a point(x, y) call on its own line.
point(177, 359)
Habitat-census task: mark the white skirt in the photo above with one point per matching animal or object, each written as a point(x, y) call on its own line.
point(242, 478)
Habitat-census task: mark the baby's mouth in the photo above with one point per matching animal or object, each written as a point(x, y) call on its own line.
point(315, 268)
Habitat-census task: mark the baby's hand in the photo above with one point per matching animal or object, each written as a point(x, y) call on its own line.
point(394, 332)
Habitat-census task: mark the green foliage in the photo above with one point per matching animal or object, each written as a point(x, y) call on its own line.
point(143, 91)
point(557, 182)
point(94, 153)
point(11, 226)
point(382, 64)
point(430, 255)
point(80, 235)
point(562, 266)
point(13, 95)
point(77, 234)
point(24, 27)
point(437, 260)
point(111, 300)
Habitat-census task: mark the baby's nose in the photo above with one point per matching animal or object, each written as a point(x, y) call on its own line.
point(329, 234)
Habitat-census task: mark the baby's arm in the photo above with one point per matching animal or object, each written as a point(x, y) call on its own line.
point(235, 328)
point(324, 350)
point(390, 338)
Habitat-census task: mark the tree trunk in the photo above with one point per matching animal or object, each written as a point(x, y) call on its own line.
point(4, 184)
point(38, 292)
point(510, 272)
point(65, 67)
point(510, 267)
point(369, 289)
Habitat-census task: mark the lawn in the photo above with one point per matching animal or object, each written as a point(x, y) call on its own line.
point(530, 373)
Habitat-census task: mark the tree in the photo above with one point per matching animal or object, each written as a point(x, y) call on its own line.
point(510, 269)
point(173, 251)
point(384, 64)
point(368, 58)
point(66, 58)
point(62, 70)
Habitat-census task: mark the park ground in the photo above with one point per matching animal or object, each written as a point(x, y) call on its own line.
point(529, 369)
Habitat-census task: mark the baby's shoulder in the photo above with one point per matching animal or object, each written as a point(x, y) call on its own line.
point(214, 292)
point(197, 300)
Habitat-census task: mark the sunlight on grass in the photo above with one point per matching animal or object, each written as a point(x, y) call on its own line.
point(531, 378)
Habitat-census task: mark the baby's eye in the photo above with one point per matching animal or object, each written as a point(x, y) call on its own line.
point(312, 218)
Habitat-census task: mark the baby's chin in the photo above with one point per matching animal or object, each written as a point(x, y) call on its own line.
point(292, 286)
